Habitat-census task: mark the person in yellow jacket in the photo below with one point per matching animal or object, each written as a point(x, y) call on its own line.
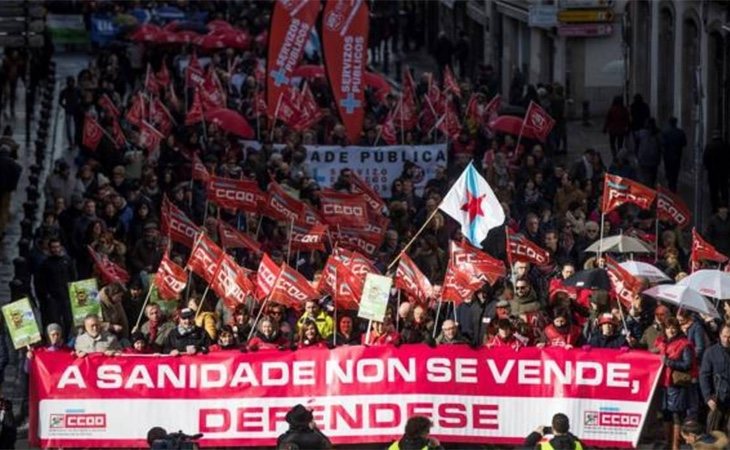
point(324, 322)
point(557, 437)
point(206, 320)
point(416, 436)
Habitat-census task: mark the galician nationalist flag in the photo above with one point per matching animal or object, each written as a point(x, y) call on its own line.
point(472, 203)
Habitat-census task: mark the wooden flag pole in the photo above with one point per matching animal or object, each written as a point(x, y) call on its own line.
point(144, 305)
point(408, 245)
point(263, 305)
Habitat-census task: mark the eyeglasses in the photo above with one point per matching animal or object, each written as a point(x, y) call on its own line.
point(520, 288)
point(276, 313)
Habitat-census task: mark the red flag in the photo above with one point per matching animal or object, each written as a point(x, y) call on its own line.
point(231, 282)
point(483, 114)
point(170, 278)
point(212, 95)
point(193, 72)
point(488, 269)
point(204, 258)
point(460, 282)
point(340, 208)
point(118, 135)
point(411, 280)
point(449, 123)
point(618, 190)
point(266, 277)
point(348, 287)
point(328, 278)
point(311, 216)
point(160, 117)
point(109, 272)
point(704, 251)
point(136, 112)
point(309, 111)
point(345, 42)
point(163, 75)
point(671, 208)
point(292, 289)
point(387, 130)
point(358, 263)
point(93, 133)
point(149, 137)
point(176, 224)
point(539, 121)
point(232, 238)
point(291, 23)
point(450, 83)
point(373, 199)
point(409, 109)
point(359, 239)
point(151, 86)
point(519, 248)
point(624, 284)
point(307, 237)
point(108, 106)
point(282, 206)
point(200, 172)
point(234, 194)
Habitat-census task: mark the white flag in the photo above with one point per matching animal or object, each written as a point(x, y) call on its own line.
point(472, 203)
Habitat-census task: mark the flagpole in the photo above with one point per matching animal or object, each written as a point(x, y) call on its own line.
point(408, 245)
point(144, 305)
point(258, 113)
point(263, 305)
point(656, 238)
point(436, 323)
point(600, 242)
point(397, 314)
point(273, 121)
point(522, 128)
point(291, 233)
point(509, 257)
point(402, 122)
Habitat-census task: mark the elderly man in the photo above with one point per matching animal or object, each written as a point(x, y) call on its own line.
point(715, 382)
point(96, 340)
point(187, 338)
point(450, 334)
point(157, 327)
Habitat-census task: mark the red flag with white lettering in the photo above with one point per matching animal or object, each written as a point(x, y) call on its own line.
point(460, 282)
point(266, 277)
point(618, 190)
point(108, 106)
point(374, 200)
point(231, 282)
point(519, 248)
point(408, 117)
point(292, 289)
point(160, 117)
point(410, 279)
point(387, 129)
point(291, 23)
point(232, 238)
point(282, 206)
point(170, 279)
point(305, 237)
point(149, 137)
point(200, 172)
point(204, 258)
point(671, 208)
point(344, 209)
point(450, 84)
point(488, 268)
point(359, 239)
point(93, 133)
point(194, 72)
point(309, 111)
point(358, 263)
point(449, 123)
point(117, 134)
point(174, 223)
point(212, 95)
point(345, 46)
point(704, 251)
point(108, 271)
point(348, 287)
point(538, 121)
point(136, 112)
point(195, 112)
point(624, 284)
point(230, 193)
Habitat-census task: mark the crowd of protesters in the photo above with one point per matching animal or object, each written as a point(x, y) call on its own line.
point(110, 199)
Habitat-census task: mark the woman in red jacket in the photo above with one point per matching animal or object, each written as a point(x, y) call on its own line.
point(616, 125)
point(267, 338)
point(679, 373)
point(382, 333)
point(309, 336)
point(226, 340)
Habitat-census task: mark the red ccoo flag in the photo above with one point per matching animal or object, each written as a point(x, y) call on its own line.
point(231, 282)
point(671, 208)
point(136, 113)
point(93, 133)
point(108, 106)
point(149, 137)
point(618, 190)
point(345, 46)
point(410, 279)
point(305, 237)
point(204, 258)
point(195, 112)
point(170, 278)
point(519, 248)
point(704, 251)
point(539, 121)
point(292, 289)
point(460, 282)
point(234, 194)
point(348, 287)
point(282, 206)
point(624, 284)
point(232, 238)
point(266, 277)
point(488, 269)
point(340, 208)
point(109, 272)
point(176, 224)
point(450, 84)
point(200, 172)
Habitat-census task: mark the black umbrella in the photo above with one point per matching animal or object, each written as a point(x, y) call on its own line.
point(590, 279)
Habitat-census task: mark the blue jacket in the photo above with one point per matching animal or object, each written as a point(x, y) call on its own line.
point(715, 375)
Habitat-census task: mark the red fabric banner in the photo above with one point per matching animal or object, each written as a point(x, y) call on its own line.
point(358, 239)
point(174, 223)
point(348, 287)
point(624, 284)
point(108, 271)
point(360, 186)
point(232, 238)
point(450, 84)
point(200, 172)
point(357, 394)
point(460, 282)
point(234, 194)
point(704, 251)
point(345, 47)
point(538, 121)
point(108, 106)
point(519, 248)
point(410, 279)
point(194, 72)
point(195, 112)
point(305, 237)
point(231, 282)
point(291, 23)
point(266, 277)
point(618, 190)
point(204, 258)
point(93, 133)
point(282, 206)
point(671, 208)
point(341, 208)
point(136, 111)
point(170, 279)
point(149, 137)
point(292, 289)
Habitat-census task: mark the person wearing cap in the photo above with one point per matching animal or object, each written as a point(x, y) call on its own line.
point(607, 335)
point(555, 437)
point(676, 379)
point(417, 436)
point(302, 433)
point(187, 338)
point(139, 345)
point(560, 332)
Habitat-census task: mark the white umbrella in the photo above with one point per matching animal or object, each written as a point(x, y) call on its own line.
point(619, 244)
point(684, 297)
point(646, 270)
point(712, 283)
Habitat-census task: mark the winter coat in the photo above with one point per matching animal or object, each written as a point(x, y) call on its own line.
point(209, 322)
point(113, 313)
point(554, 338)
point(103, 342)
point(679, 356)
point(262, 342)
point(417, 333)
point(673, 142)
point(512, 342)
point(469, 319)
point(527, 304)
point(180, 341)
point(163, 330)
point(303, 437)
point(715, 375)
point(9, 173)
point(600, 340)
point(617, 120)
point(698, 337)
point(562, 442)
point(51, 284)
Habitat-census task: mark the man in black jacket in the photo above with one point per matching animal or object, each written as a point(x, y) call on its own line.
point(187, 338)
point(303, 432)
point(715, 382)
point(562, 438)
point(51, 286)
point(417, 436)
point(9, 176)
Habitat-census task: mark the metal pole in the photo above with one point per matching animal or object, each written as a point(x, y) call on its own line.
point(28, 95)
point(699, 123)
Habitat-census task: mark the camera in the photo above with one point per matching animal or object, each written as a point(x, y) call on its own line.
point(159, 439)
point(547, 430)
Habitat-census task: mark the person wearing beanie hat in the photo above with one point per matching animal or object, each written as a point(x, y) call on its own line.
point(303, 432)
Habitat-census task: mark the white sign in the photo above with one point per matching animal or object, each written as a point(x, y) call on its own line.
point(374, 300)
point(543, 16)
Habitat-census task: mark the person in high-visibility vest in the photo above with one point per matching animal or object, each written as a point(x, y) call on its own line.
point(417, 436)
point(557, 437)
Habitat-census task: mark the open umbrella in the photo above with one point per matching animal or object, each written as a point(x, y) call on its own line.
point(511, 125)
point(646, 270)
point(219, 24)
point(210, 41)
point(230, 121)
point(684, 297)
point(590, 279)
point(712, 283)
point(619, 244)
point(234, 38)
point(147, 33)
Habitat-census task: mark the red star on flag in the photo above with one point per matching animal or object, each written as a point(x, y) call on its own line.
point(473, 206)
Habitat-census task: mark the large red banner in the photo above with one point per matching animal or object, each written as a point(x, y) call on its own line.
point(345, 26)
point(291, 23)
point(357, 394)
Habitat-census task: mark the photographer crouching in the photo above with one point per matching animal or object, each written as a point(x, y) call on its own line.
point(159, 439)
point(562, 438)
